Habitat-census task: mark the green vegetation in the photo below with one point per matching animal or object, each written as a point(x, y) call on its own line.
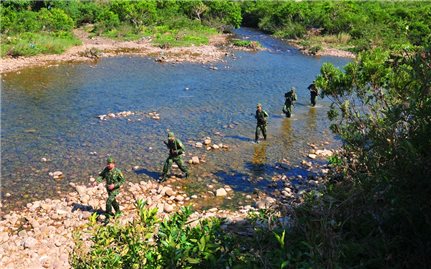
point(246, 43)
point(149, 242)
point(375, 212)
point(167, 23)
point(356, 25)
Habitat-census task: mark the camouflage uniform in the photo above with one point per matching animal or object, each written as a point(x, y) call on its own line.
point(114, 176)
point(261, 123)
point(290, 97)
point(313, 93)
point(176, 149)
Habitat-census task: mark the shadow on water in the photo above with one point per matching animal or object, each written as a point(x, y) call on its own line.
point(152, 174)
point(239, 137)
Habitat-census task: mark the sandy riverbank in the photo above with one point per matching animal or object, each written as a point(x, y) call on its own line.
point(212, 52)
point(215, 51)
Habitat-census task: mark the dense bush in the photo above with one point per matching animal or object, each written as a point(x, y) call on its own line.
point(376, 212)
point(380, 24)
point(149, 242)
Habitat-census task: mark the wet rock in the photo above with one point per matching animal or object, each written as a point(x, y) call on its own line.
point(305, 163)
point(215, 146)
point(7, 195)
point(195, 160)
point(207, 141)
point(57, 175)
point(312, 156)
point(198, 145)
point(194, 196)
point(324, 153)
point(221, 192)
point(44, 160)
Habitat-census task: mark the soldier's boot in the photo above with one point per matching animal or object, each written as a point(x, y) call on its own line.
point(117, 208)
point(164, 177)
point(186, 174)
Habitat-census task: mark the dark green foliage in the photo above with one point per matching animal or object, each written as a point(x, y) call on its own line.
point(151, 243)
point(369, 23)
point(376, 211)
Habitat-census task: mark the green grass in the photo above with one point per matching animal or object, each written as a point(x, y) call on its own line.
point(246, 43)
point(29, 44)
point(163, 36)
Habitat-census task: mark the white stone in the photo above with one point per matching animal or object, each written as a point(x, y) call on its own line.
point(198, 144)
point(44, 160)
point(215, 146)
point(29, 242)
point(207, 141)
point(324, 152)
point(221, 192)
point(312, 156)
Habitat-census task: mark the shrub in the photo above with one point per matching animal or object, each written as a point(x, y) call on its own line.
point(55, 20)
point(148, 242)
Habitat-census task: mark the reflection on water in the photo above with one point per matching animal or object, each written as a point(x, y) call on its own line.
point(50, 112)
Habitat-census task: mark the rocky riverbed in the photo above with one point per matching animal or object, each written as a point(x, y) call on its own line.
point(40, 235)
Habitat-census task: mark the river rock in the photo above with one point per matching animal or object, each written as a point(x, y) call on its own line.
point(194, 196)
point(265, 203)
point(195, 160)
point(221, 192)
point(207, 141)
point(29, 242)
point(7, 194)
point(198, 144)
point(324, 153)
point(4, 237)
point(22, 233)
point(312, 156)
point(44, 160)
point(179, 198)
point(169, 192)
point(168, 208)
point(215, 146)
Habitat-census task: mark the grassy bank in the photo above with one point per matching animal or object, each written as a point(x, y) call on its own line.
point(29, 44)
point(35, 27)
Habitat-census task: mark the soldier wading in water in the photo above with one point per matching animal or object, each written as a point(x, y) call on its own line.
point(261, 117)
point(290, 97)
point(313, 93)
point(176, 149)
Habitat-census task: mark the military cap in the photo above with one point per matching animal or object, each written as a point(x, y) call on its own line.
point(110, 160)
point(171, 134)
point(259, 105)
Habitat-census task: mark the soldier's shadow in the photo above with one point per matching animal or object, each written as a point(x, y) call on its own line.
point(238, 137)
point(151, 174)
point(88, 208)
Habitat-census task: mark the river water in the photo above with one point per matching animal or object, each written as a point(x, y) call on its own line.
point(51, 112)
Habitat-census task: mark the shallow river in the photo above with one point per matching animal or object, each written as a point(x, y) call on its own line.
point(51, 112)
